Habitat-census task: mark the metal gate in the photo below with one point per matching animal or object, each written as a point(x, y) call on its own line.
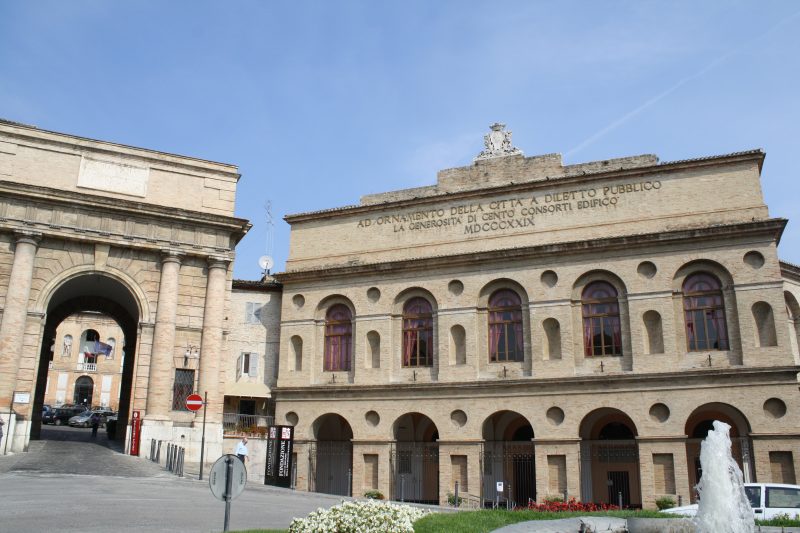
point(331, 467)
point(415, 472)
point(513, 465)
point(608, 468)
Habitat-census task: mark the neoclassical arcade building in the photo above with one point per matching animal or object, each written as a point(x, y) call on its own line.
point(143, 238)
point(563, 329)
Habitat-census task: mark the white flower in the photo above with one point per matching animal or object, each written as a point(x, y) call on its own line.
point(371, 516)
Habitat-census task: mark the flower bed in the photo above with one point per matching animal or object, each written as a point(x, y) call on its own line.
point(555, 506)
point(371, 516)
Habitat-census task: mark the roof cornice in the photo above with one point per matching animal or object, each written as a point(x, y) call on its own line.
point(756, 155)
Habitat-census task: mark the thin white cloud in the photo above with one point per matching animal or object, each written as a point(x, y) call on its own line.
point(654, 100)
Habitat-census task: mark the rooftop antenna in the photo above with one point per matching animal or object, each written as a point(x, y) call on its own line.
point(265, 262)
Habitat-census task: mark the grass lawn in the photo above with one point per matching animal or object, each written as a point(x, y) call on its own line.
point(489, 520)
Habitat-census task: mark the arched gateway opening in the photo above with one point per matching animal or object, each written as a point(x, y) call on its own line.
point(415, 459)
point(610, 459)
point(91, 292)
point(331, 455)
point(508, 457)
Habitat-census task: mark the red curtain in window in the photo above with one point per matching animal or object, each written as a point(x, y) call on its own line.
point(417, 333)
point(505, 321)
point(704, 313)
point(602, 332)
point(338, 339)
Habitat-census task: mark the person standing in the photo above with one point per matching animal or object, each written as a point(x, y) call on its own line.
point(241, 450)
point(95, 420)
point(1, 430)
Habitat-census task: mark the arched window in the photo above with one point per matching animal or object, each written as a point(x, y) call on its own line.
point(602, 334)
point(338, 337)
point(113, 343)
point(505, 327)
point(417, 333)
point(704, 312)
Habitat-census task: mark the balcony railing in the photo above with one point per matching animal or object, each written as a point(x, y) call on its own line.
point(251, 425)
point(87, 367)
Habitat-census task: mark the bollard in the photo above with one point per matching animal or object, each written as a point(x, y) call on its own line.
point(619, 497)
point(158, 453)
point(350, 481)
point(402, 487)
point(180, 462)
point(565, 495)
point(680, 500)
point(456, 496)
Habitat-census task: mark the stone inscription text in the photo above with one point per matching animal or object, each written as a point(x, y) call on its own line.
point(509, 213)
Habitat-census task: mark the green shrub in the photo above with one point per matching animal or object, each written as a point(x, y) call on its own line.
point(555, 498)
point(665, 502)
point(451, 499)
point(374, 494)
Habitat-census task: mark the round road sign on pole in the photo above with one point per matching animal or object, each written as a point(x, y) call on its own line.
point(194, 402)
point(217, 477)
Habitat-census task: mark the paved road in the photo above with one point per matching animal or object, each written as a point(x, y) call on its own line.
point(69, 483)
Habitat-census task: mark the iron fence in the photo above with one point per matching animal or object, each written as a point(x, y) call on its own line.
point(251, 425)
point(513, 466)
point(331, 467)
point(415, 472)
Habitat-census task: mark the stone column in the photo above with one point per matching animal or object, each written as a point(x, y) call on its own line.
point(162, 367)
point(211, 341)
point(12, 327)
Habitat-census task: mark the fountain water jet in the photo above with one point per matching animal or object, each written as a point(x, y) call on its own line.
point(723, 507)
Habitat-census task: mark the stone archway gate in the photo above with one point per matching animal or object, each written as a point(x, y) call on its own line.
point(159, 225)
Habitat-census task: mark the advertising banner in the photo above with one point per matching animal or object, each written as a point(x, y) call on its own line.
point(278, 470)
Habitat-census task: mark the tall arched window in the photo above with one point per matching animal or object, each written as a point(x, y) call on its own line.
point(704, 312)
point(505, 327)
point(417, 333)
point(602, 334)
point(338, 338)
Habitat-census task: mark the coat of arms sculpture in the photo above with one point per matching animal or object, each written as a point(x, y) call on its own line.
point(498, 143)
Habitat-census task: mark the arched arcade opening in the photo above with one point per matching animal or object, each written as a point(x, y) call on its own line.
point(106, 296)
point(700, 422)
point(508, 457)
point(610, 459)
point(331, 455)
point(415, 459)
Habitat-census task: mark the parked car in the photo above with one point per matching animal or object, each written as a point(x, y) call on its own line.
point(767, 500)
point(46, 409)
point(61, 415)
point(84, 419)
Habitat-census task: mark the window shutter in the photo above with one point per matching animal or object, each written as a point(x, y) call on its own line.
point(253, 370)
point(239, 368)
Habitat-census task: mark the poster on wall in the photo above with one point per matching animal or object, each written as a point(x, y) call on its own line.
point(278, 471)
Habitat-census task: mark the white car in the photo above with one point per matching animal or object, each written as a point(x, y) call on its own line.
point(768, 500)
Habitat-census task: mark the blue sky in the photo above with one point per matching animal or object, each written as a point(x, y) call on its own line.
point(321, 102)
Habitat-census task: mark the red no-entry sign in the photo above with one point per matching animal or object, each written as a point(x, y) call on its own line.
point(194, 402)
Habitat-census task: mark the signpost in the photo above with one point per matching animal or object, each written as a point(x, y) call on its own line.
point(193, 403)
point(226, 480)
point(136, 432)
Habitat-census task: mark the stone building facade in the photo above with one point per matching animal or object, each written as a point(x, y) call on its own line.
point(562, 329)
point(78, 372)
point(144, 237)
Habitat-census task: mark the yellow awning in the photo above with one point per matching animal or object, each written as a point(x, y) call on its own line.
point(247, 388)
